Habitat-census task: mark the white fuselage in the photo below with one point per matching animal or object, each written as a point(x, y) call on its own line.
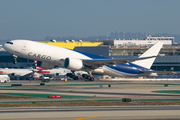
point(43, 52)
point(16, 72)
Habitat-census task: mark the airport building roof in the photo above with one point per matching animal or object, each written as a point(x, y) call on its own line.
point(167, 41)
point(72, 44)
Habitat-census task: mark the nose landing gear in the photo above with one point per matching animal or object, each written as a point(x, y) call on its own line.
point(14, 62)
point(15, 59)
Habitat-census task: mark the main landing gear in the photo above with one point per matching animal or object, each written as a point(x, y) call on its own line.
point(89, 77)
point(72, 75)
point(86, 76)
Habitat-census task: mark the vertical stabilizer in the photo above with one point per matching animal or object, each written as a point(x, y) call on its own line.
point(153, 51)
point(38, 68)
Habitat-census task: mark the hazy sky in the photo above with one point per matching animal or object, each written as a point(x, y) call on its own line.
point(36, 19)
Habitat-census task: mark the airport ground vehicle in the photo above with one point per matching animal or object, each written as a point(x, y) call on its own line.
point(4, 78)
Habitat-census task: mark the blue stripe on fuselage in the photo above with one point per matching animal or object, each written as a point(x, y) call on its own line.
point(128, 68)
point(92, 55)
point(124, 68)
point(139, 67)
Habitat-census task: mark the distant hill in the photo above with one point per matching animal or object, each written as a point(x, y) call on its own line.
point(113, 35)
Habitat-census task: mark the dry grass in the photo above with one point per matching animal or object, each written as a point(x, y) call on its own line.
point(88, 103)
point(95, 103)
point(14, 97)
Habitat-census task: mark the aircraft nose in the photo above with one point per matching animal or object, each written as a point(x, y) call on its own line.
point(7, 45)
point(4, 45)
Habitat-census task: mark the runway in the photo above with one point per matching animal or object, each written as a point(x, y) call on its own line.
point(99, 113)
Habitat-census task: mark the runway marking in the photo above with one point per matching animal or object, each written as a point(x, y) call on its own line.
point(85, 118)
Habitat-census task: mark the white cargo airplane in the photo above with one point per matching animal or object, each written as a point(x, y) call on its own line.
point(49, 56)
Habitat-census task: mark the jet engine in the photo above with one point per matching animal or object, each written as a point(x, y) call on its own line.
point(45, 65)
point(73, 64)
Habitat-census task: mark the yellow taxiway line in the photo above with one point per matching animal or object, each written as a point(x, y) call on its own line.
point(85, 118)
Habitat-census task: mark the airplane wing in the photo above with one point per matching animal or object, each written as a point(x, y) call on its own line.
point(95, 63)
point(27, 74)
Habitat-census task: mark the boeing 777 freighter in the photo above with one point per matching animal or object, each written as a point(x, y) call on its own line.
point(49, 56)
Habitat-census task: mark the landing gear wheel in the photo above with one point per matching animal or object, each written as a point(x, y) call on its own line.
point(91, 79)
point(88, 77)
point(75, 77)
point(68, 74)
point(72, 76)
point(15, 59)
point(15, 62)
point(84, 76)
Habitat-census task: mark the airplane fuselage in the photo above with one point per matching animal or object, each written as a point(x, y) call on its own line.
point(15, 72)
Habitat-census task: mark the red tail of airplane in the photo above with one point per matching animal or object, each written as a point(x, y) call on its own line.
point(41, 70)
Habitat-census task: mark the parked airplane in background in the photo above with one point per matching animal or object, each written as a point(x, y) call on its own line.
point(55, 71)
point(49, 56)
point(17, 72)
point(35, 73)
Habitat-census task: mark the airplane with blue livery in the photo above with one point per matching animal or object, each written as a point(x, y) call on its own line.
point(49, 57)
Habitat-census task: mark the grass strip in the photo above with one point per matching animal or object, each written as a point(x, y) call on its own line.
point(168, 91)
point(45, 95)
point(111, 100)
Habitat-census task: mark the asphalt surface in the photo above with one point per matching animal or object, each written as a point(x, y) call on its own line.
point(134, 90)
point(74, 90)
point(94, 113)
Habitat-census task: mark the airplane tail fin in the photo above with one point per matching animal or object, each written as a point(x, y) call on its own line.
point(153, 51)
point(38, 68)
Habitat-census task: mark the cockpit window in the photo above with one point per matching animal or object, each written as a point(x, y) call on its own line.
point(10, 43)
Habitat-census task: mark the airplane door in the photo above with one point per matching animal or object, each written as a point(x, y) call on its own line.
point(23, 46)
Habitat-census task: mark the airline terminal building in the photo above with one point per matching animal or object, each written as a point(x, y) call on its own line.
point(148, 41)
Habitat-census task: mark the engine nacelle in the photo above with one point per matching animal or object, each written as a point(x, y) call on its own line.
point(45, 65)
point(73, 64)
